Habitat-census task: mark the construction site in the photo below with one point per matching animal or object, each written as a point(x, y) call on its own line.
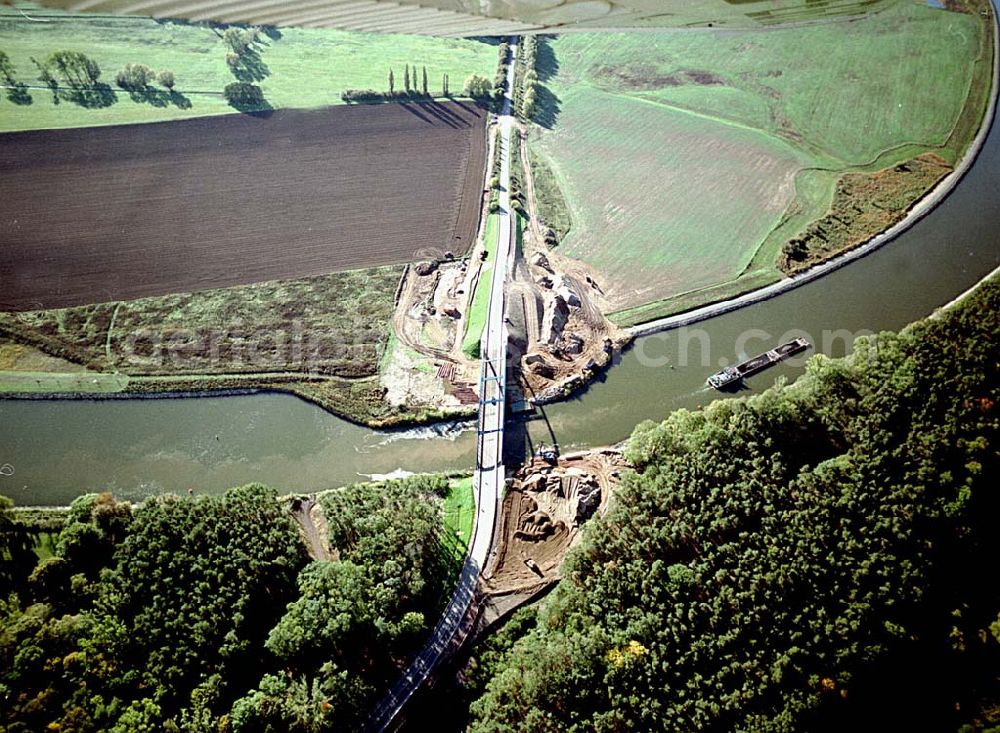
point(548, 501)
point(559, 336)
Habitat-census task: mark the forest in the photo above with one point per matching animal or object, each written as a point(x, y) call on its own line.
point(205, 614)
point(820, 557)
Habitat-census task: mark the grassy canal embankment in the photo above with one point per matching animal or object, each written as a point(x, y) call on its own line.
point(731, 159)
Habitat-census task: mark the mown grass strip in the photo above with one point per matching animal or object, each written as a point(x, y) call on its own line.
point(475, 320)
point(61, 383)
point(459, 511)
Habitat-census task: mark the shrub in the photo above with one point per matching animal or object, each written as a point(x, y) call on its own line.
point(166, 79)
point(478, 87)
point(241, 94)
point(134, 77)
point(363, 95)
point(240, 40)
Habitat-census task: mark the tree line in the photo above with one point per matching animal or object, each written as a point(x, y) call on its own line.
point(817, 558)
point(245, 63)
point(526, 90)
point(73, 76)
point(476, 86)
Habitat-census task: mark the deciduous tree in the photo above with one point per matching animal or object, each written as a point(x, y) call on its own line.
point(166, 79)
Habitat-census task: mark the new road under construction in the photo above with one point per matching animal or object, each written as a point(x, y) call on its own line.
point(527, 517)
point(490, 474)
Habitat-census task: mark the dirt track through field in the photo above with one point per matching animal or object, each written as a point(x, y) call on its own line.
point(113, 213)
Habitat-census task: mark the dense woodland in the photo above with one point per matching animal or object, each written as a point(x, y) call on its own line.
point(821, 557)
point(205, 614)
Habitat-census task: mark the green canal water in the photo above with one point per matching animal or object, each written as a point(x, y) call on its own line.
point(51, 451)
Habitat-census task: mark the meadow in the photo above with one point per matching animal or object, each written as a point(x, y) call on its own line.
point(675, 193)
point(687, 160)
point(300, 68)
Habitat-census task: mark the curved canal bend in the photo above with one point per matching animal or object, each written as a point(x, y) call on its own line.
point(51, 451)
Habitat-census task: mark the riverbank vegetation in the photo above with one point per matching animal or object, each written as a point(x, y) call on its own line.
point(812, 558)
point(864, 204)
point(747, 136)
point(206, 614)
point(293, 68)
point(320, 338)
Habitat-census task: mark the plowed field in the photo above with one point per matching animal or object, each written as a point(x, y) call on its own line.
point(115, 213)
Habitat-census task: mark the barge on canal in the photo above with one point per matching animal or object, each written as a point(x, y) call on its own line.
point(734, 374)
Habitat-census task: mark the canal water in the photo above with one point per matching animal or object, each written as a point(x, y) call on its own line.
point(51, 451)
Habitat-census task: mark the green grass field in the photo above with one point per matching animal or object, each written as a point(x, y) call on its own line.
point(665, 216)
point(459, 511)
point(688, 159)
point(305, 67)
point(475, 319)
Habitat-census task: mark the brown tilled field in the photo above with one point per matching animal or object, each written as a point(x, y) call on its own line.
point(115, 213)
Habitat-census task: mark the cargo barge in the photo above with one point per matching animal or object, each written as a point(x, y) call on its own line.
point(734, 374)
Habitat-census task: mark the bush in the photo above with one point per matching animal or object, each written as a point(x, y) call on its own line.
point(166, 79)
point(241, 94)
point(363, 95)
point(240, 40)
point(478, 87)
point(134, 77)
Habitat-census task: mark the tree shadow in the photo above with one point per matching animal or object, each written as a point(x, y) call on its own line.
point(159, 97)
point(416, 112)
point(263, 109)
point(462, 104)
point(18, 94)
point(271, 32)
point(447, 115)
point(179, 100)
point(547, 106)
point(250, 67)
point(96, 96)
point(546, 63)
point(150, 96)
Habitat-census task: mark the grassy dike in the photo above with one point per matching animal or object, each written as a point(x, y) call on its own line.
point(480, 303)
